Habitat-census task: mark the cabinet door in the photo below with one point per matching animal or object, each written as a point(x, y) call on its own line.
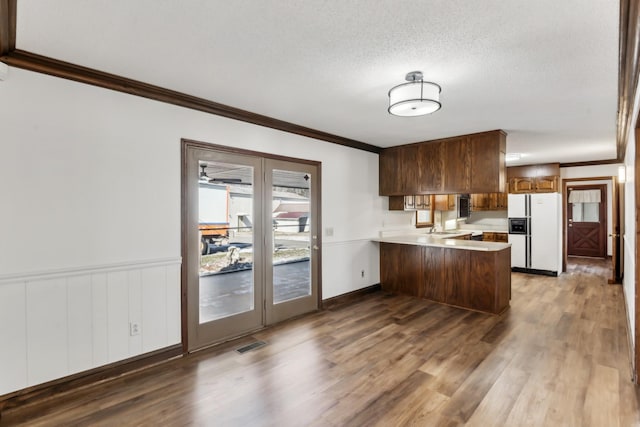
point(409, 203)
point(482, 279)
point(488, 237)
point(480, 202)
point(501, 237)
point(445, 202)
point(458, 291)
point(521, 185)
point(423, 202)
point(433, 271)
point(389, 177)
point(410, 170)
point(502, 203)
point(546, 184)
point(457, 165)
point(487, 162)
point(395, 276)
point(430, 164)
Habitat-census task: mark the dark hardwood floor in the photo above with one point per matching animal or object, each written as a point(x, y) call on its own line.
point(557, 357)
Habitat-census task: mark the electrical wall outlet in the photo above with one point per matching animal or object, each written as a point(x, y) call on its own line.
point(134, 328)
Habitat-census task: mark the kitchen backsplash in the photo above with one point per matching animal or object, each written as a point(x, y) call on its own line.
point(486, 220)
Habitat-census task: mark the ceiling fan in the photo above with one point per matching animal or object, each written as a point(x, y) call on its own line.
point(203, 175)
point(205, 178)
point(226, 180)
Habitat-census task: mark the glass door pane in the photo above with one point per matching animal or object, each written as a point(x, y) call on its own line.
point(225, 225)
point(291, 249)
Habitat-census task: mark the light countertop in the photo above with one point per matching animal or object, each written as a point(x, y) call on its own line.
point(443, 240)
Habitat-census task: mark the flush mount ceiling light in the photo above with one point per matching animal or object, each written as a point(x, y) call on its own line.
point(415, 98)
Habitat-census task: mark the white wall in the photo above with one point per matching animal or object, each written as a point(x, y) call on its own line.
point(90, 179)
point(595, 171)
point(629, 238)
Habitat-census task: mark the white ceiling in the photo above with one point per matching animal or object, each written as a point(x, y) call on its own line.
point(545, 71)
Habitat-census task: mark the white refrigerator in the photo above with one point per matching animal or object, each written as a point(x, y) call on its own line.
point(535, 232)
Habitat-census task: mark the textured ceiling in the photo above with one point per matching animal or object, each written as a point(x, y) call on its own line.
point(545, 71)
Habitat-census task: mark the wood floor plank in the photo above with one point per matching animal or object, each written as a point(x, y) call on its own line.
point(602, 403)
point(558, 357)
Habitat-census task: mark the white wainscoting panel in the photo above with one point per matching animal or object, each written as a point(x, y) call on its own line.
point(13, 336)
point(80, 323)
point(47, 342)
point(117, 315)
point(174, 330)
point(135, 309)
point(154, 308)
point(100, 321)
point(60, 323)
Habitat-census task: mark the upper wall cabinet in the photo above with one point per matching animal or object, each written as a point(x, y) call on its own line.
point(465, 164)
point(534, 179)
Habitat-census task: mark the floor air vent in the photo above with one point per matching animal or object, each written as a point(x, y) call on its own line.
point(250, 347)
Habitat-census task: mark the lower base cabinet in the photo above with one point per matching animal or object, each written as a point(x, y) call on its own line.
point(477, 280)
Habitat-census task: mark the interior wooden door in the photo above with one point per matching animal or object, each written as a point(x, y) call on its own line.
point(617, 254)
point(587, 222)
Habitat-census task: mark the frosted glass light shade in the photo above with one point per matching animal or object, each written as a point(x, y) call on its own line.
point(414, 99)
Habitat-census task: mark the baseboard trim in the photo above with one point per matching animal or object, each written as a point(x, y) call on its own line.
point(349, 297)
point(53, 389)
point(535, 271)
point(632, 367)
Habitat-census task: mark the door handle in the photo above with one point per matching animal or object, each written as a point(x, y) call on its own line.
point(614, 235)
point(316, 247)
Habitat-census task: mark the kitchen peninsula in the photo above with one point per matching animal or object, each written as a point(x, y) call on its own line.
point(464, 273)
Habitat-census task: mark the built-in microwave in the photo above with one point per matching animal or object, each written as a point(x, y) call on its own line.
point(464, 205)
point(518, 226)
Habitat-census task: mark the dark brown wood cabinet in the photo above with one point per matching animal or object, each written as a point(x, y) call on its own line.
point(431, 165)
point(489, 236)
point(464, 164)
point(457, 161)
point(477, 280)
point(445, 202)
point(432, 280)
point(489, 202)
point(534, 178)
point(522, 185)
point(546, 184)
point(395, 275)
point(389, 162)
point(456, 280)
point(488, 173)
point(481, 202)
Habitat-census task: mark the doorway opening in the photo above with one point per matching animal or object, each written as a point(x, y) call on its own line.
point(250, 241)
point(592, 229)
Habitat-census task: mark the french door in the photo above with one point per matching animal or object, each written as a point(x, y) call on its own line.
point(250, 242)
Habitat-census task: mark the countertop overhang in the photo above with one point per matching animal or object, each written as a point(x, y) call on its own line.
point(443, 241)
